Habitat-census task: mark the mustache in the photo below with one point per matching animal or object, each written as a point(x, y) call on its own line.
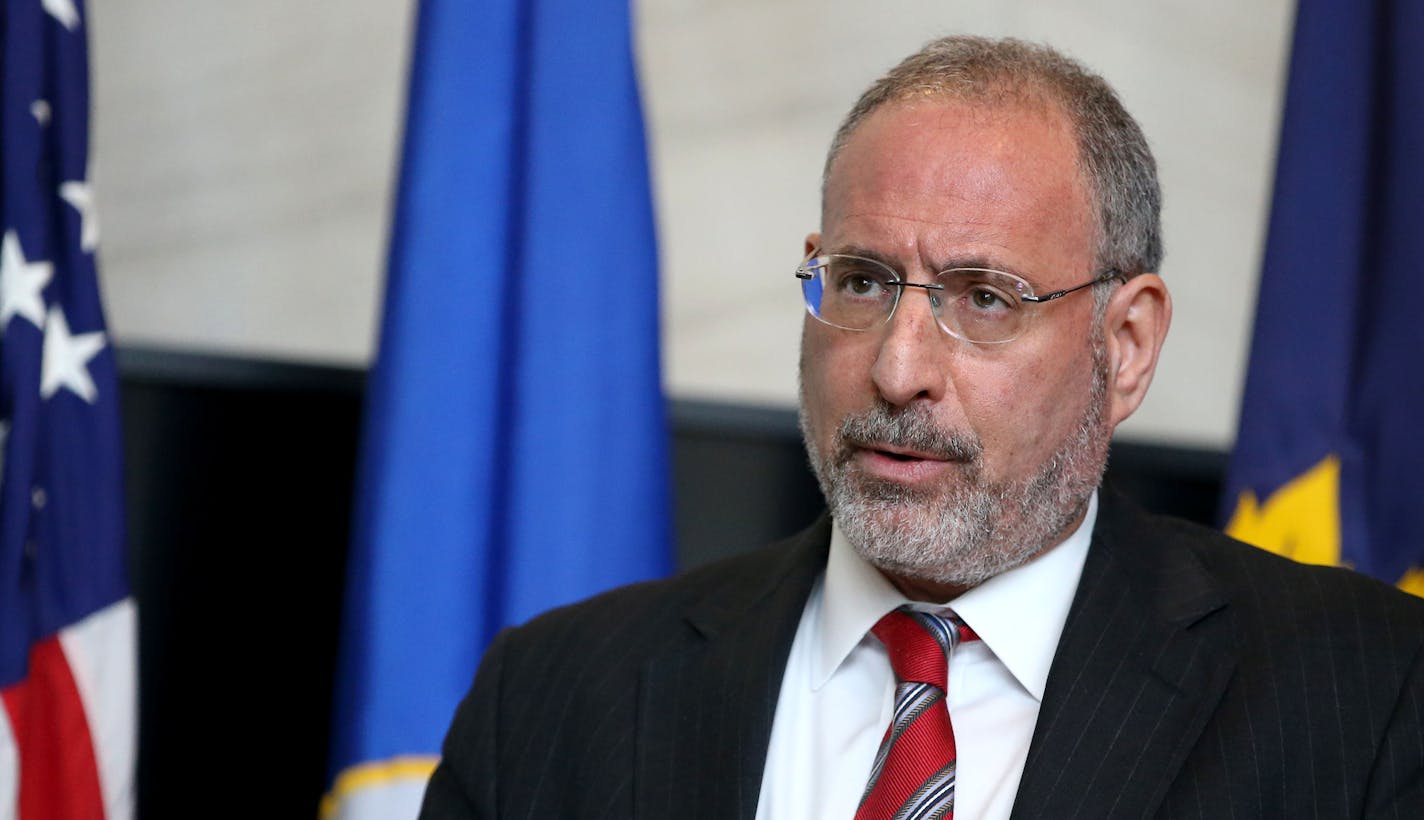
point(910, 428)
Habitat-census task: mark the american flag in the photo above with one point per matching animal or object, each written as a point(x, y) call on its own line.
point(67, 665)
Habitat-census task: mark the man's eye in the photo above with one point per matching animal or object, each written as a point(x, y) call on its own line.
point(857, 283)
point(985, 299)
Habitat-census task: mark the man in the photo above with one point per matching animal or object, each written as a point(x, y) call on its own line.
point(983, 311)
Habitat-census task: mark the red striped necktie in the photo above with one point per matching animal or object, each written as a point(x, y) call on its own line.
point(913, 775)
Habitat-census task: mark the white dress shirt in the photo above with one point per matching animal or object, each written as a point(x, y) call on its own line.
point(838, 691)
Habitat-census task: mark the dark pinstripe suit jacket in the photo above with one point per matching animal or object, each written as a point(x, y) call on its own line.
point(1196, 677)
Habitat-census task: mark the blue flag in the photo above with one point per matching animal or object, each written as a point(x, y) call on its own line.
point(514, 452)
point(1329, 460)
point(67, 646)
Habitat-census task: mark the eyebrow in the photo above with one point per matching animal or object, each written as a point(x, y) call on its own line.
point(864, 253)
point(966, 261)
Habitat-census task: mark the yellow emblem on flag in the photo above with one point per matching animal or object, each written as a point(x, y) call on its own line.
point(1413, 582)
point(1301, 520)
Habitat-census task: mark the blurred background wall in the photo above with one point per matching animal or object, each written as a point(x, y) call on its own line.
point(246, 151)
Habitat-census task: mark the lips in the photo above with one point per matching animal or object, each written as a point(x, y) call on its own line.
point(901, 465)
point(904, 454)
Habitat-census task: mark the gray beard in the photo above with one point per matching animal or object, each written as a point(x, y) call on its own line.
point(968, 533)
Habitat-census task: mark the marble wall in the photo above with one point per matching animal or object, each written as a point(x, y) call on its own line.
point(246, 151)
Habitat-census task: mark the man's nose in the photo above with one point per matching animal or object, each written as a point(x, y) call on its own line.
point(914, 352)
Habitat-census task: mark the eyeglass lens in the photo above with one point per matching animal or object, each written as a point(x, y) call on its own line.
point(858, 294)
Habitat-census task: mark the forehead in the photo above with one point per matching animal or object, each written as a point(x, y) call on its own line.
point(939, 177)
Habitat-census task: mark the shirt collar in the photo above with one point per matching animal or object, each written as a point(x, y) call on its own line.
point(1024, 638)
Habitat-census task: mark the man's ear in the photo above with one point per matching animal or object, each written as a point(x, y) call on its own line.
point(1137, 318)
point(813, 243)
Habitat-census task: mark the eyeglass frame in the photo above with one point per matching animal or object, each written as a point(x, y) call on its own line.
point(803, 273)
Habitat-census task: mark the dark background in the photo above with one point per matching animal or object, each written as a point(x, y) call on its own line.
point(239, 484)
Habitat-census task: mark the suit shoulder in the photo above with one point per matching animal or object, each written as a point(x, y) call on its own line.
point(1255, 576)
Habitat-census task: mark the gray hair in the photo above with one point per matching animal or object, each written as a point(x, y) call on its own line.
point(1117, 165)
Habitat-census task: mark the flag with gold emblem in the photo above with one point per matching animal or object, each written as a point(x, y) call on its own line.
point(1329, 461)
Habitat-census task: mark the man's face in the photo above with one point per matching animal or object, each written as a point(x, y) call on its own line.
point(947, 462)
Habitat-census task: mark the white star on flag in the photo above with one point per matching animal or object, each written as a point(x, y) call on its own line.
point(81, 196)
point(39, 109)
point(66, 358)
point(20, 283)
point(63, 11)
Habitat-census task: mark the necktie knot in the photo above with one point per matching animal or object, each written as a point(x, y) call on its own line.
point(919, 644)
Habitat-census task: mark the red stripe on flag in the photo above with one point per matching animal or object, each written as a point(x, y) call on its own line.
point(59, 779)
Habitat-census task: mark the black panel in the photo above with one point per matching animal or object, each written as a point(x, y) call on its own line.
point(1180, 481)
point(239, 498)
point(740, 479)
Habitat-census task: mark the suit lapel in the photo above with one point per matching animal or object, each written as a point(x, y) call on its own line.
point(1144, 658)
point(706, 709)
